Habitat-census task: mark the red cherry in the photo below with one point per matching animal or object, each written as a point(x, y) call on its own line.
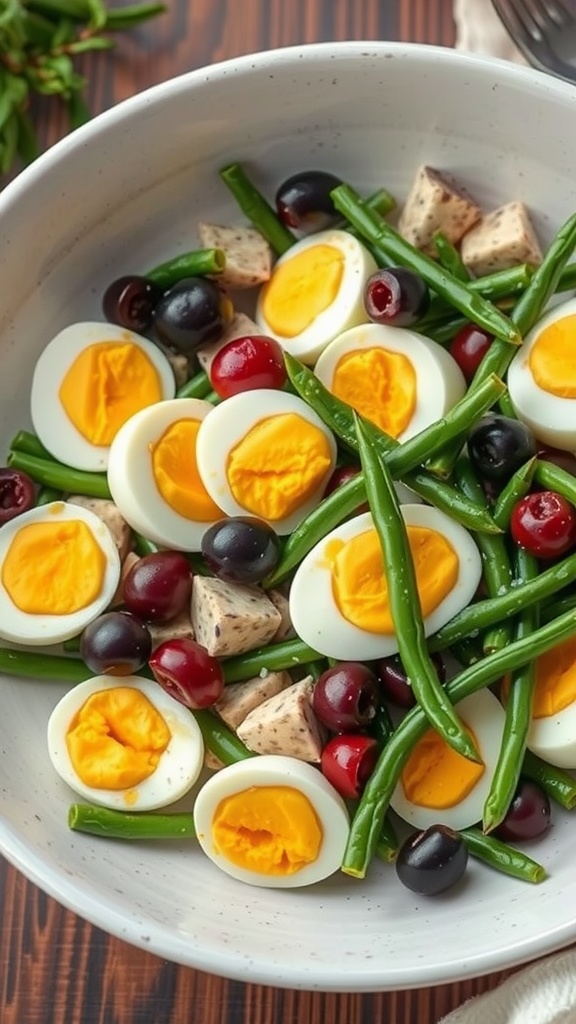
point(544, 523)
point(347, 761)
point(248, 363)
point(469, 347)
point(186, 671)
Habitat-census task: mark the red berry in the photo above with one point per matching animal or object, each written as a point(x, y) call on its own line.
point(186, 671)
point(346, 696)
point(544, 523)
point(159, 586)
point(347, 761)
point(248, 363)
point(469, 347)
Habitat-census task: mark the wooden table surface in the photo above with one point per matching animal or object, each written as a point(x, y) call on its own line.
point(54, 967)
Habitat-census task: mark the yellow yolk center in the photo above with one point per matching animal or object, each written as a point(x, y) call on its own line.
point(278, 465)
point(54, 568)
point(551, 359)
point(273, 830)
point(555, 686)
point(359, 583)
point(380, 385)
point(176, 473)
point(105, 385)
point(436, 776)
point(116, 739)
point(302, 288)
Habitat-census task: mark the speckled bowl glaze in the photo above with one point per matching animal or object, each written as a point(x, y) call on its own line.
point(124, 193)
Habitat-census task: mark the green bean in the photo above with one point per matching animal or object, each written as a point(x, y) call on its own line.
point(63, 478)
point(273, 657)
point(257, 209)
point(516, 488)
point(220, 740)
point(118, 19)
point(72, 645)
point(46, 495)
point(518, 713)
point(197, 387)
point(485, 613)
point(496, 566)
point(382, 202)
point(25, 441)
point(382, 726)
point(553, 478)
point(502, 857)
point(552, 608)
point(197, 263)
point(387, 845)
point(559, 786)
point(404, 600)
point(103, 821)
point(143, 546)
point(33, 665)
point(393, 246)
point(450, 258)
point(367, 821)
point(444, 333)
point(502, 288)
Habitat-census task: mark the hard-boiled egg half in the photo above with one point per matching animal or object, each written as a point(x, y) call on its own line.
point(439, 785)
point(265, 453)
point(316, 291)
point(272, 821)
point(88, 381)
point(542, 378)
point(339, 601)
point(125, 743)
point(552, 733)
point(396, 378)
point(153, 474)
point(59, 569)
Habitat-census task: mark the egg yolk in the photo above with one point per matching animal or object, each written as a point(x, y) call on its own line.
point(105, 385)
point(380, 385)
point(301, 288)
point(278, 465)
point(54, 568)
point(359, 583)
point(436, 776)
point(551, 358)
point(176, 473)
point(273, 830)
point(116, 739)
point(555, 685)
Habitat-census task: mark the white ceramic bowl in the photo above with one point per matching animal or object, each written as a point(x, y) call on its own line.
point(124, 193)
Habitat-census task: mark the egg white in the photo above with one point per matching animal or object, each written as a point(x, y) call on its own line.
point(51, 423)
point(347, 307)
point(131, 477)
point(319, 622)
point(551, 418)
point(177, 770)
point(276, 770)
point(484, 715)
point(22, 627)
point(553, 737)
point(439, 380)
point(228, 423)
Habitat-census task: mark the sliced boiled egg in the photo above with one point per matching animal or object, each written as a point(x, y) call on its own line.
point(153, 474)
point(396, 378)
point(125, 744)
point(542, 378)
point(272, 821)
point(59, 569)
point(316, 291)
point(88, 381)
point(439, 785)
point(339, 595)
point(552, 733)
point(266, 453)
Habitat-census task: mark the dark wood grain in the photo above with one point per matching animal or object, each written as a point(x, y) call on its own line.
point(54, 967)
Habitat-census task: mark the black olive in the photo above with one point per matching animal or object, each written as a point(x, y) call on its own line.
point(498, 446)
point(303, 201)
point(431, 861)
point(116, 643)
point(241, 549)
point(130, 301)
point(191, 313)
point(396, 296)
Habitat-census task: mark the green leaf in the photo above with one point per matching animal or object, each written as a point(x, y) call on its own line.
point(78, 111)
point(8, 143)
point(28, 146)
point(98, 14)
point(86, 45)
point(122, 18)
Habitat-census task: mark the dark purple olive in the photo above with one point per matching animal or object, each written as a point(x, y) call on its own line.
point(498, 446)
point(396, 296)
point(130, 301)
point(528, 815)
point(158, 586)
point(431, 861)
point(17, 493)
point(394, 682)
point(345, 697)
point(194, 311)
point(241, 549)
point(303, 201)
point(116, 643)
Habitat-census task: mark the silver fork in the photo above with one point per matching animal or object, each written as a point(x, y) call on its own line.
point(544, 31)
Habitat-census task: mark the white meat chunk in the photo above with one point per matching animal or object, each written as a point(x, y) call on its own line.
point(436, 203)
point(286, 630)
point(178, 628)
point(501, 239)
point(286, 724)
point(230, 618)
point(239, 699)
point(211, 762)
point(109, 513)
point(248, 254)
point(239, 326)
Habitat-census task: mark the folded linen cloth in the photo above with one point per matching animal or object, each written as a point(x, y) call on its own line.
point(479, 30)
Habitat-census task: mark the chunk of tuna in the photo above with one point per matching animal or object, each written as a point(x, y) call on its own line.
point(286, 630)
point(239, 326)
point(211, 762)
point(109, 513)
point(286, 724)
point(248, 254)
point(131, 559)
point(239, 699)
point(436, 203)
point(501, 239)
point(230, 618)
point(178, 628)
